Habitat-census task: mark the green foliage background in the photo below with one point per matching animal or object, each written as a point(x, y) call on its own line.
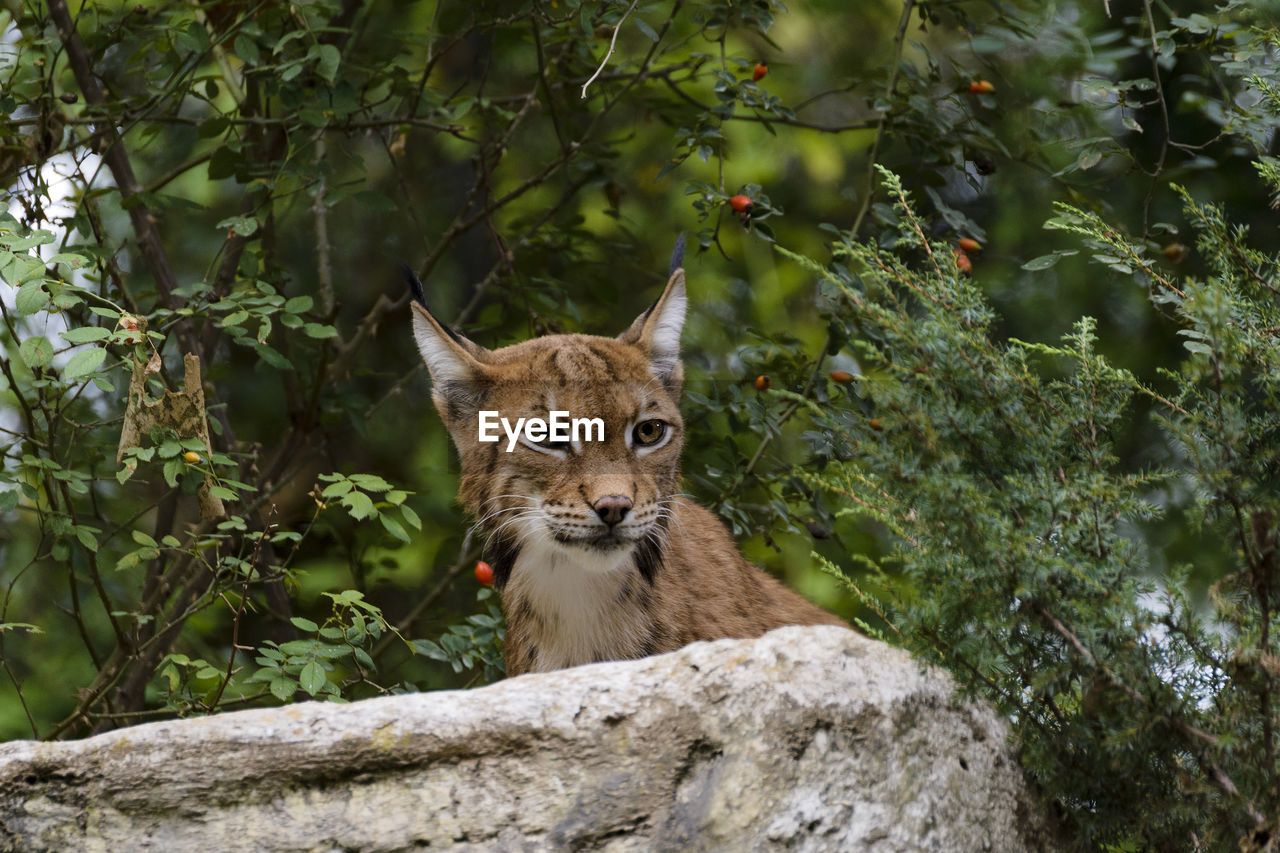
point(1055, 475)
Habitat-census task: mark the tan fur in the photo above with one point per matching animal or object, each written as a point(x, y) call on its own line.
point(574, 591)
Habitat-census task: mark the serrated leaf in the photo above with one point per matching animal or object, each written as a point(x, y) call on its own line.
point(83, 363)
point(319, 330)
point(282, 687)
point(31, 297)
point(359, 506)
point(299, 304)
point(272, 357)
point(1089, 158)
point(394, 527)
point(222, 493)
point(330, 58)
point(370, 482)
point(337, 490)
point(304, 624)
point(87, 537)
point(86, 334)
point(36, 352)
point(312, 678)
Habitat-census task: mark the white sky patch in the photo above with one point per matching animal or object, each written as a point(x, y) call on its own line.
point(60, 182)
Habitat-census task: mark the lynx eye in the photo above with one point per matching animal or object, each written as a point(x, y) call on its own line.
point(650, 432)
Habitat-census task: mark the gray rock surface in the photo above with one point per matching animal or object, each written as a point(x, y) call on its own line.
point(805, 739)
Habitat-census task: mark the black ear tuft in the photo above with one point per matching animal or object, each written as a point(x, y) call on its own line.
point(415, 286)
point(420, 296)
point(677, 255)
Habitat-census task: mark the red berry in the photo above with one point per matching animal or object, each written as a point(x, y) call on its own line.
point(843, 377)
point(981, 87)
point(969, 244)
point(760, 70)
point(484, 573)
point(741, 204)
point(962, 262)
point(763, 382)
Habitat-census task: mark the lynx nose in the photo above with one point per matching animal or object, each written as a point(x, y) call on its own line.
point(612, 508)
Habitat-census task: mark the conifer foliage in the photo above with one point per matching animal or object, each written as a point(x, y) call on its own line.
point(1016, 566)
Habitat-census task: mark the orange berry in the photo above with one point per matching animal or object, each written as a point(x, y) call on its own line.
point(981, 87)
point(969, 244)
point(842, 377)
point(763, 382)
point(484, 573)
point(741, 204)
point(962, 262)
point(760, 70)
point(875, 424)
point(191, 456)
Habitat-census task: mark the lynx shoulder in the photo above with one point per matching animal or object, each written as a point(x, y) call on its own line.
point(596, 554)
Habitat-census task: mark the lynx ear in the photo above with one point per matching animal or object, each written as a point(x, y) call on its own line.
point(456, 364)
point(657, 331)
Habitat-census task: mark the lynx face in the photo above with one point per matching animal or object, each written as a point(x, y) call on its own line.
point(592, 504)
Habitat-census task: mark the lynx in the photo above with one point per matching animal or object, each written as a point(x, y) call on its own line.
point(596, 554)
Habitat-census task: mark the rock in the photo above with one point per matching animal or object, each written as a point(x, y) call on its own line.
point(805, 739)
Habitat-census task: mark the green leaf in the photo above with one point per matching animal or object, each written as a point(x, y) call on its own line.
point(244, 226)
point(1043, 262)
point(83, 363)
point(337, 490)
point(370, 482)
point(142, 538)
point(312, 677)
point(393, 527)
point(330, 58)
point(9, 500)
point(299, 304)
point(87, 537)
point(223, 493)
point(36, 352)
point(31, 297)
point(359, 505)
point(304, 624)
point(319, 330)
point(86, 334)
point(646, 29)
point(247, 49)
point(272, 357)
point(376, 201)
point(282, 687)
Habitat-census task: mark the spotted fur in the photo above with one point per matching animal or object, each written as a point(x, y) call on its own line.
point(576, 588)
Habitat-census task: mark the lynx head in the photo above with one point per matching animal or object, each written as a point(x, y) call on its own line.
point(603, 495)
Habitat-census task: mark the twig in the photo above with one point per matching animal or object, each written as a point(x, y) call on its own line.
point(235, 623)
point(868, 191)
point(406, 622)
point(320, 210)
point(604, 62)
